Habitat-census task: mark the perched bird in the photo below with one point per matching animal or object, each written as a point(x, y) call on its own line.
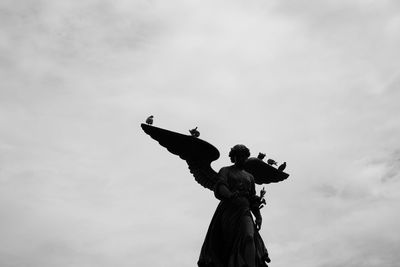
point(272, 162)
point(149, 120)
point(261, 156)
point(282, 166)
point(194, 132)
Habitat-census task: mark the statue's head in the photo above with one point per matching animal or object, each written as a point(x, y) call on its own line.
point(239, 153)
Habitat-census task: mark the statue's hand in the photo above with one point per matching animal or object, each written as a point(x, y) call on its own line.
point(258, 223)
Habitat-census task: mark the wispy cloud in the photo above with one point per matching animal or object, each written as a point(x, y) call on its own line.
point(308, 82)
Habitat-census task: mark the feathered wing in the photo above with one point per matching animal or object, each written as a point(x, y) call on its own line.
point(264, 173)
point(197, 153)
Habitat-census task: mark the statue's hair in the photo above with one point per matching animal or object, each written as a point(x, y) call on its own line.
point(239, 150)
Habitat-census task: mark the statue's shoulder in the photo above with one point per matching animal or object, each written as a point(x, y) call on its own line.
point(249, 175)
point(225, 170)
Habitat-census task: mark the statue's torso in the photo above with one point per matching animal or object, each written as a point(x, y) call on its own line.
point(239, 180)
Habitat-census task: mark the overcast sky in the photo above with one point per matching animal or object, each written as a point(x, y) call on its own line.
point(313, 83)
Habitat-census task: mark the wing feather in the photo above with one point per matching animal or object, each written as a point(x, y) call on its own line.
point(203, 173)
point(196, 152)
point(264, 173)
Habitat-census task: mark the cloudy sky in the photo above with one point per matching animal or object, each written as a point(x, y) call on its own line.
point(314, 83)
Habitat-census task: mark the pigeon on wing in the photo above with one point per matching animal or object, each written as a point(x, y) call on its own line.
point(261, 155)
point(194, 132)
point(282, 166)
point(149, 120)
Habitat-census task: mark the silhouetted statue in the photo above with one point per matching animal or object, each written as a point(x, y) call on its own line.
point(232, 238)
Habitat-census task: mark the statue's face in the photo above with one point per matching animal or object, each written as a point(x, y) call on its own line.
point(240, 159)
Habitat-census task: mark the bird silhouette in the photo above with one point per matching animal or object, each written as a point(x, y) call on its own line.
point(194, 132)
point(149, 120)
point(272, 162)
point(261, 156)
point(282, 166)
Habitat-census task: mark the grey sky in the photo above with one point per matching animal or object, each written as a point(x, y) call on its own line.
point(313, 83)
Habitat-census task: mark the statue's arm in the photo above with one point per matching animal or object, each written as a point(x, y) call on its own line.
point(221, 190)
point(256, 212)
point(255, 201)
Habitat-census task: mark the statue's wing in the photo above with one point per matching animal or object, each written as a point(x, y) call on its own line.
point(196, 152)
point(264, 173)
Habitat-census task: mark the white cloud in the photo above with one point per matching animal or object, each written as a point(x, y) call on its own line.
point(311, 83)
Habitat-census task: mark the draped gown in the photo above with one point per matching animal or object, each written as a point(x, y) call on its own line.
point(232, 235)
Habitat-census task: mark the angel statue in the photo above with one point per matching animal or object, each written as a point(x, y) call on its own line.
point(233, 238)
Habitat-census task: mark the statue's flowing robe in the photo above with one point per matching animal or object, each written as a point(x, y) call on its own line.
point(232, 228)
